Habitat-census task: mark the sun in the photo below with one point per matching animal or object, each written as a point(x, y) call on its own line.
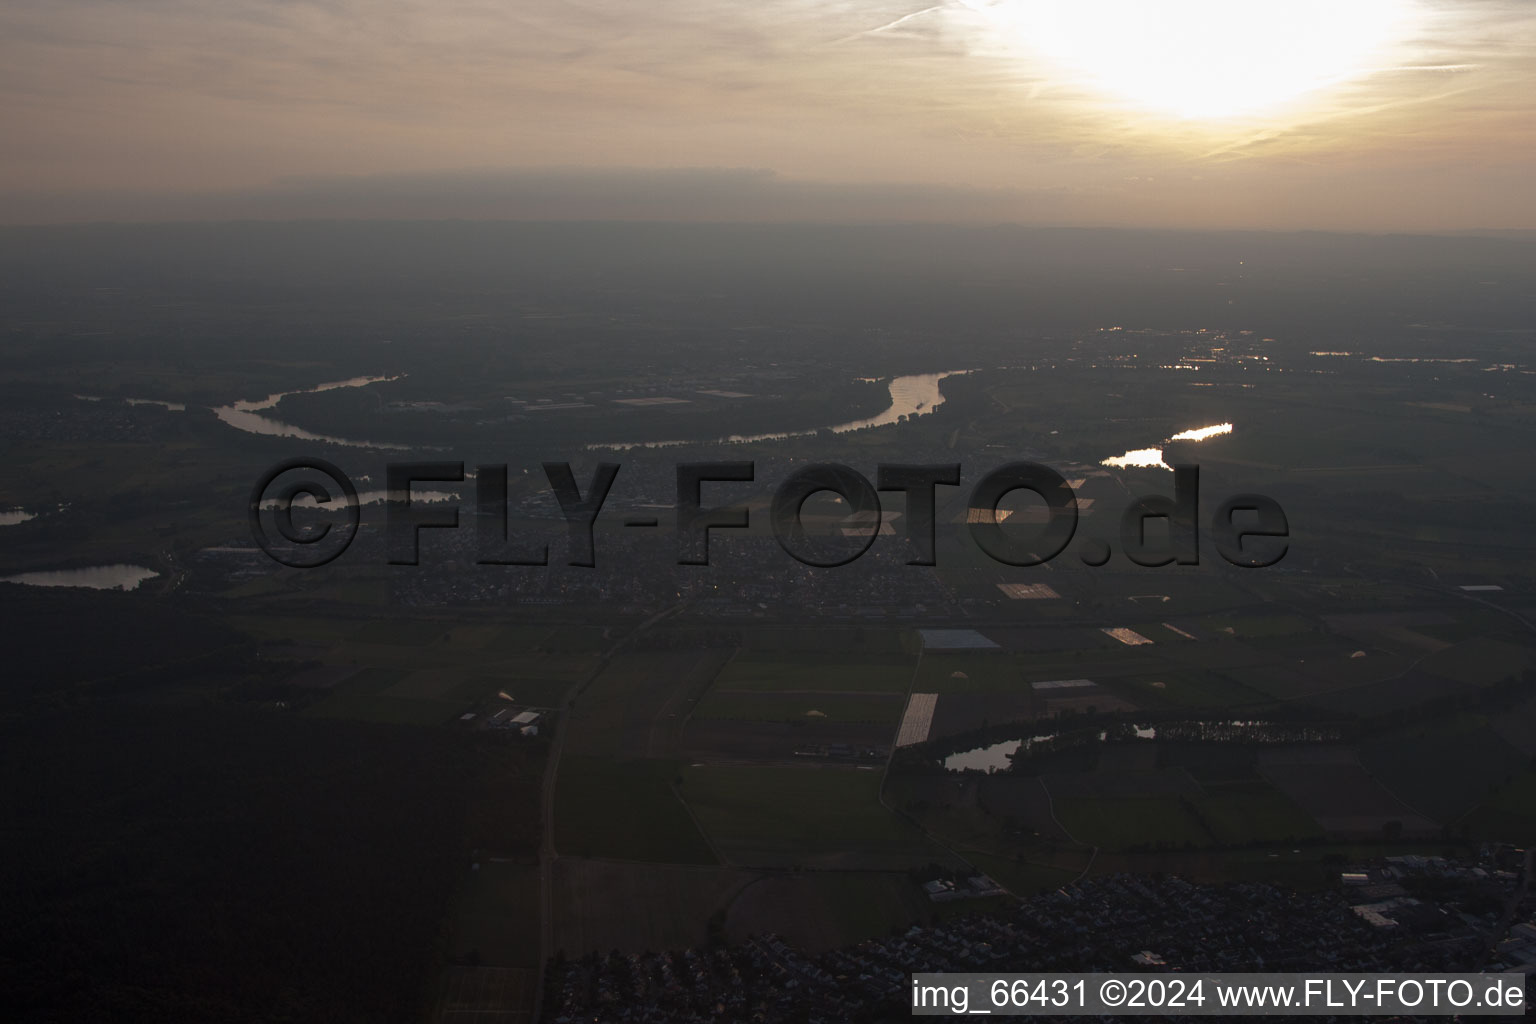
point(1207, 58)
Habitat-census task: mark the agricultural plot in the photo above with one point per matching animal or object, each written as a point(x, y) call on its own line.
point(1373, 699)
point(1049, 638)
point(950, 805)
point(917, 719)
point(1509, 814)
point(1479, 661)
point(1191, 688)
point(473, 995)
point(1167, 808)
point(1110, 782)
point(517, 638)
point(814, 816)
point(1054, 702)
point(823, 910)
point(1022, 799)
point(839, 641)
point(1517, 727)
point(425, 684)
point(1219, 652)
point(963, 712)
point(1244, 627)
point(625, 810)
point(999, 673)
point(1121, 823)
point(602, 905)
point(1028, 591)
point(401, 632)
point(762, 672)
point(436, 683)
point(877, 709)
point(777, 742)
point(1329, 784)
point(571, 639)
point(1403, 632)
point(374, 679)
point(1445, 772)
point(638, 705)
point(1309, 677)
point(496, 914)
point(1237, 813)
point(1211, 762)
point(956, 640)
point(365, 707)
point(982, 672)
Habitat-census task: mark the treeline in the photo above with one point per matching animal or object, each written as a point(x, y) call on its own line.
point(1293, 724)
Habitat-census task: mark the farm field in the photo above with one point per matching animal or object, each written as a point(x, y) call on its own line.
point(817, 816)
point(1190, 688)
point(834, 641)
point(624, 809)
point(790, 706)
point(819, 910)
point(1329, 784)
point(1236, 813)
point(496, 913)
point(1479, 661)
point(1446, 770)
point(602, 905)
point(638, 705)
point(472, 994)
point(757, 671)
point(1122, 823)
point(735, 741)
point(1508, 813)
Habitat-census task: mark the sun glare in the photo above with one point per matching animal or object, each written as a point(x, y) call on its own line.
point(1209, 58)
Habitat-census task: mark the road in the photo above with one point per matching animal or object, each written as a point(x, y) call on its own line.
point(547, 851)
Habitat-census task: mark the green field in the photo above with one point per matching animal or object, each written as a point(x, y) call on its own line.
point(823, 909)
point(1447, 770)
point(1190, 688)
point(757, 671)
point(1237, 813)
point(834, 640)
point(495, 920)
point(1479, 661)
point(783, 707)
point(626, 810)
point(1509, 814)
point(982, 672)
point(1120, 823)
point(1250, 626)
point(780, 813)
point(373, 679)
point(404, 632)
point(365, 707)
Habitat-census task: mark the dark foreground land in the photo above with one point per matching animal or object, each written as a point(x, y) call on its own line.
point(647, 791)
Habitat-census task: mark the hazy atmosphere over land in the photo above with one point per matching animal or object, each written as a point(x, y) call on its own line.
point(1372, 114)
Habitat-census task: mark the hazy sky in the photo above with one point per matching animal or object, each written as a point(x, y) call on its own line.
point(1373, 114)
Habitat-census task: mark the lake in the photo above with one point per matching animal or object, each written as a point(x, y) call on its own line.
point(95, 577)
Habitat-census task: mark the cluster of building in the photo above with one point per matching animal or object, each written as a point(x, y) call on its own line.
point(1118, 923)
point(945, 890)
point(523, 721)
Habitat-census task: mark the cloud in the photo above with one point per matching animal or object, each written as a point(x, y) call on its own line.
point(170, 106)
point(562, 193)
